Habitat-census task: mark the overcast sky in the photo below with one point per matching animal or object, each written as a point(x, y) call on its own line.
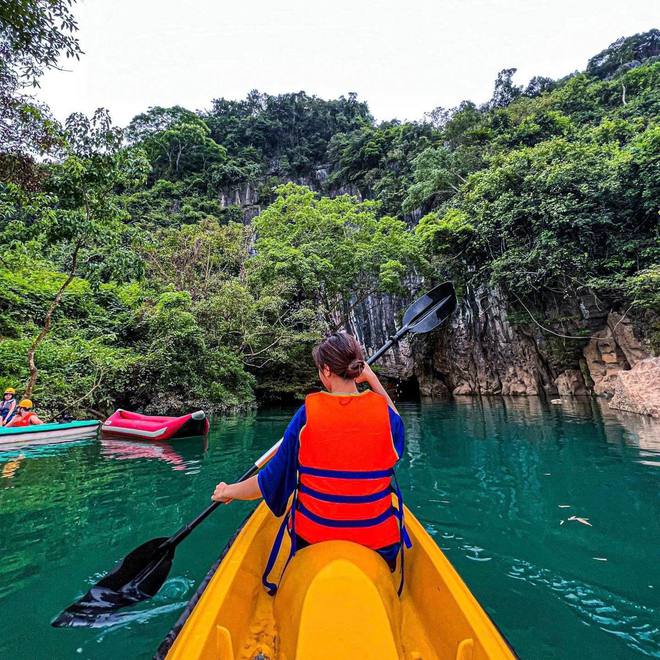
point(404, 57)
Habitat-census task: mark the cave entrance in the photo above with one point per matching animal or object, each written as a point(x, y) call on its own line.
point(403, 389)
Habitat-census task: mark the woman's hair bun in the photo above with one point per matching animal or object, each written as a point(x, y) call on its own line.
point(341, 353)
point(354, 369)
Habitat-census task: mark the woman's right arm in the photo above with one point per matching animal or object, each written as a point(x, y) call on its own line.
point(242, 490)
point(368, 376)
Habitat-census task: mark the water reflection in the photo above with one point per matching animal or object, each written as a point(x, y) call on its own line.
point(641, 431)
point(10, 468)
point(122, 450)
point(558, 496)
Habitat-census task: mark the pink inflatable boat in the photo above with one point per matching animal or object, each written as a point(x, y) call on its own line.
point(123, 423)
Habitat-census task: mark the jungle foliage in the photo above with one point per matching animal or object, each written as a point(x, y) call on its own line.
point(192, 259)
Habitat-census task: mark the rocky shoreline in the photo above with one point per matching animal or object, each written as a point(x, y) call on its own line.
point(482, 352)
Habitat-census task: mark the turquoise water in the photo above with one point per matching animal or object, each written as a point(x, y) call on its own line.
point(494, 482)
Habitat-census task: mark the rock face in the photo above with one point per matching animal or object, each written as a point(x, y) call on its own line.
point(571, 383)
point(481, 352)
point(372, 322)
point(638, 390)
point(604, 361)
point(478, 352)
point(248, 197)
point(612, 350)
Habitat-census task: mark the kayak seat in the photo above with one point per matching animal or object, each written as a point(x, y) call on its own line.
point(336, 600)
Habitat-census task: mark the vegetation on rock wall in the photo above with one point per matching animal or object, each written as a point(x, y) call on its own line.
point(128, 271)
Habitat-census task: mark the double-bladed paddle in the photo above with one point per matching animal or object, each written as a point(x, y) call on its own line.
point(142, 572)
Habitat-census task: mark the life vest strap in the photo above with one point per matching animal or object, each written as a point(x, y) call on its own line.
point(345, 474)
point(404, 537)
point(332, 522)
point(345, 499)
point(271, 587)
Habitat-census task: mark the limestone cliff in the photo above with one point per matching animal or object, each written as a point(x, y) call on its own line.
point(638, 390)
point(488, 348)
point(251, 197)
point(482, 351)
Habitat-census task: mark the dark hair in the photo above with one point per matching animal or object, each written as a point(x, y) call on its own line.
point(341, 353)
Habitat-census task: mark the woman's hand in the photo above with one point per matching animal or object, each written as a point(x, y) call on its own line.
point(221, 493)
point(367, 375)
point(242, 490)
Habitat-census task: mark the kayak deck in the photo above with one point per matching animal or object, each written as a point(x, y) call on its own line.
point(336, 600)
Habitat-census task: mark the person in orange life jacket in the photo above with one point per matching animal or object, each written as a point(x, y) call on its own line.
point(337, 455)
point(7, 405)
point(24, 415)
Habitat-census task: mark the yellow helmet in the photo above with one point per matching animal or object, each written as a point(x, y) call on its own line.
point(10, 390)
point(25, 403)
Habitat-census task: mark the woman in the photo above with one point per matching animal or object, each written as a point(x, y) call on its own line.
point(337, 455)
point(24, 415)
point(7, 405)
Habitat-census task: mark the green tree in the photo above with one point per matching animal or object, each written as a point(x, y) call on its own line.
point(84, 212)
point(333, 252)
point(32, 37)
point(505, 91)
point(176, 141)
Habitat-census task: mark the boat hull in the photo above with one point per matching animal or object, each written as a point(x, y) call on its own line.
point(336, 600)
point(41, 432)
point(126, 424)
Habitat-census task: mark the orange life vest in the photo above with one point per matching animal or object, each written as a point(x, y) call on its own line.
point(23, 421)
point(346, 461)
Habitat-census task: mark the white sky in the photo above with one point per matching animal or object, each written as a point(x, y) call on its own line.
point(404, 58)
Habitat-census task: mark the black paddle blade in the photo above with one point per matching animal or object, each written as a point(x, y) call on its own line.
point(436, 313)
point(139, 577)
point(429, 301)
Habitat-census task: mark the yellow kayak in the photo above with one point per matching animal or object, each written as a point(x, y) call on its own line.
point(337, 600)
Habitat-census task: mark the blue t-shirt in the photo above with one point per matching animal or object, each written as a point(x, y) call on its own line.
point(277, 480)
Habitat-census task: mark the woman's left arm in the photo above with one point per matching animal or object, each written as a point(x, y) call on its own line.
point(276, 480)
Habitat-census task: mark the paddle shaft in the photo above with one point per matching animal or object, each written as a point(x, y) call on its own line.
point(389, 343)
point(174, 540)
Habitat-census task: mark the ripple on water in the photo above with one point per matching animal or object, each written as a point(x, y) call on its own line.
point(174, 588)
point(474, 553)
point(633, 623)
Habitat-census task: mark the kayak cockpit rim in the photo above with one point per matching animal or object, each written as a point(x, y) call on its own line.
point(178, 626)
